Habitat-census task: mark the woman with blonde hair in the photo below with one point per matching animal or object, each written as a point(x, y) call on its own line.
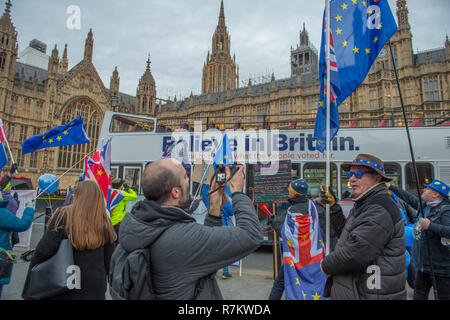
point(86, 224)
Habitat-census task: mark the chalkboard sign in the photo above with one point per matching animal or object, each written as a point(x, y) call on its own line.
point(271, 182)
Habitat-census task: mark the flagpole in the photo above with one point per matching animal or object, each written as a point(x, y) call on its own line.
point(416, 174)
point(327, 209)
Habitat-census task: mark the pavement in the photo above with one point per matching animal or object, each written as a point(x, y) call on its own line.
point(253, 282)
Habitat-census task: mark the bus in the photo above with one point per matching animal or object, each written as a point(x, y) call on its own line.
point(136, 142)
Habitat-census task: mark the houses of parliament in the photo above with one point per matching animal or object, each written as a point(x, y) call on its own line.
point(39, 92)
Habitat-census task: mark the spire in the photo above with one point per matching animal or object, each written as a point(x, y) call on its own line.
point(402, 15)
point(64, 64)
point(114, 83)
point(89, 46)
point(5, 20)
point(148, 64)
point(304, 37)
point(222, 15)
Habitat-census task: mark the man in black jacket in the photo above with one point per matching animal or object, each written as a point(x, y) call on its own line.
point(186, 255)
point(437, 224)
point(369, 261)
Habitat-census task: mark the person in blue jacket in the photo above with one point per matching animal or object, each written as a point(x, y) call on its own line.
point(9, 223)
point(436, 221)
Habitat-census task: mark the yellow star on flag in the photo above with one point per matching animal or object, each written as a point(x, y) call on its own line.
point(375, 40)
point(297, 281)
point(364, 3)
point(289, 242)
point(367, 50)
point(345, 43)
point(303, 238)
point(356, 50)
point(344, 6)
point(65, 132)
point(338, 18)
point(338, 31)
point(304, 295)
point(59, 138)
point(292, 264)
point(316, 296)
point(50, 141)
point(99, 172)
point(379, 26)
point(355, 1)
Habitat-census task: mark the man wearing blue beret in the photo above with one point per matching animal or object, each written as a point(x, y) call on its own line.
point(437, 221)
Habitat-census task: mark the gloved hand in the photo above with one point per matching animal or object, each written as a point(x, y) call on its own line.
point(126, 186)
point(327, 197)
point(13, 168)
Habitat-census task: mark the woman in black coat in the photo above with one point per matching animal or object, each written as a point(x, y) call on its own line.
point(86, 224)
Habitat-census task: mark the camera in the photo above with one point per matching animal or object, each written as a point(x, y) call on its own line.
point(221, 176)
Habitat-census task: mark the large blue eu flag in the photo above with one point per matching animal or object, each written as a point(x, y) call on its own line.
point(64, 135)
point(359, 30)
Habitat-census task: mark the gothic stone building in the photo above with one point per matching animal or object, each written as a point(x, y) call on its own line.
point(38, 93)
point(37, 97)
point(424, 79)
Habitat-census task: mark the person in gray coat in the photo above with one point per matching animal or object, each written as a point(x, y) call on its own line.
point(369, 260)
point(185, 255)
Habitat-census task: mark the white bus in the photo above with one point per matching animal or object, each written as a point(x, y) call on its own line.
point(135, 143)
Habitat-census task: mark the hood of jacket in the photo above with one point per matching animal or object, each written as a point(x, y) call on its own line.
point(147, 221)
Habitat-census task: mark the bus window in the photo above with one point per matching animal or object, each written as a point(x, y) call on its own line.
point(426, 175)
point(132, 177)
point(122, 123)
point(114, 172)
point(315, 176)
point(394, 171)
point(296, 170)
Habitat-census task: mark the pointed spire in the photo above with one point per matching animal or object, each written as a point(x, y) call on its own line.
point(148, 64)
point(5, 20)
point(89, 46)
point(222, 15)
point(64, 64)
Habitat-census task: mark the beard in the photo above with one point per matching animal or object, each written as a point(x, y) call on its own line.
point(186, 199)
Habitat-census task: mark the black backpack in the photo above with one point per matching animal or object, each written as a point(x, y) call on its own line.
point(130, 275)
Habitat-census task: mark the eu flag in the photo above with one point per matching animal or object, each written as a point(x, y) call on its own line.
point(360, 29)
point(224, 155)
point(3, 157)
point(303, 250)
point(64, 135)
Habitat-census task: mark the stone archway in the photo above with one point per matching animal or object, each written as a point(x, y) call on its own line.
point(92, 119)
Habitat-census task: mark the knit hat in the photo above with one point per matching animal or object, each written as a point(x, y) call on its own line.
point(439, 187)
point(299, 187)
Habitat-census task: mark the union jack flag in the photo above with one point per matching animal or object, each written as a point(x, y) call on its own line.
point(98, 169)
point(303, 250)
point(116, 197)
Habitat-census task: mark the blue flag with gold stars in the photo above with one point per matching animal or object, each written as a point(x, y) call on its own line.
point(64, 135)
point(359, 30)
point(223, 155)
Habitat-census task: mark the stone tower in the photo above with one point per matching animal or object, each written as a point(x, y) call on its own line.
point(304, 59)
point(219, 70)
point(146, 93)
point(402, 40)
point(114, 83)
point(8, 45)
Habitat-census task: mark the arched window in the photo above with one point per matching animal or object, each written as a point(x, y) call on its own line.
point(90, 113)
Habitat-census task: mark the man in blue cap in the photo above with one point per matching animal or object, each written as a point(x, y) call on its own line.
point(436, 219)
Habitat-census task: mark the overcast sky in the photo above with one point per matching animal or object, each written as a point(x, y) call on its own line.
point(178, 35)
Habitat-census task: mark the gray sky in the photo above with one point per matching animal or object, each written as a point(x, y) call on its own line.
point(178, 35)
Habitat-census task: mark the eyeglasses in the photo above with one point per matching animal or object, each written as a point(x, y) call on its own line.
point(358, 174)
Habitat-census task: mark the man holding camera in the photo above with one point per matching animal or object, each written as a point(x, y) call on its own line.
point(185, 255)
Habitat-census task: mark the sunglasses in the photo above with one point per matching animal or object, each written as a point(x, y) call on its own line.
point(358, 174)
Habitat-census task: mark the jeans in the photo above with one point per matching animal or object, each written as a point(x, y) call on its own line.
point(226, 221)
point(424, 284)
point(278, 286)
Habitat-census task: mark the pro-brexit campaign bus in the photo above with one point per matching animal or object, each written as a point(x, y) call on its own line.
point(273, 157)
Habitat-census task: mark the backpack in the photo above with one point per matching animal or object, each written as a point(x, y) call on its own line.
point(130, 275)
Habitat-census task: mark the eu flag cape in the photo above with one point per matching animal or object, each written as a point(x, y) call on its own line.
point(303, 250)
point(64, 135)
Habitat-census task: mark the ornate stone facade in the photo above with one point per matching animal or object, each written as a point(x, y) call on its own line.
point(424, 79)
point(34, 100)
